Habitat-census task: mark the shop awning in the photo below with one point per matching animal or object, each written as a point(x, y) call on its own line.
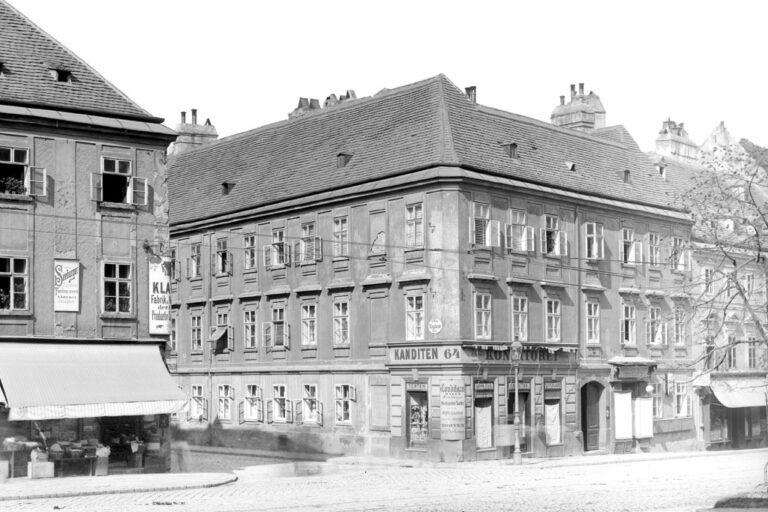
point(737, 392)
point(53, 381)
point(219, 333)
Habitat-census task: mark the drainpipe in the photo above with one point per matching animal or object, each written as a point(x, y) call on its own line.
point(581, 266)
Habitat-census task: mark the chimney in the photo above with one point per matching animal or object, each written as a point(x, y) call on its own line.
point(194, 116)
point(314, 104)
point(471, 93)
point(191, 136)
point(573, 90)
point(581, 89)
point(562, 100)
point(183, 117)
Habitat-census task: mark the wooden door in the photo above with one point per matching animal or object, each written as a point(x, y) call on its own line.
point(590, 415)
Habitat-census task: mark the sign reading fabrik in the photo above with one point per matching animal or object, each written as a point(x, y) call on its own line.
point(159, 295)
point(452, 413)
point(66, 285)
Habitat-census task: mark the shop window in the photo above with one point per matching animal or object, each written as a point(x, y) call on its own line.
point(198, 405)
point(276, 255)
point(18, 177)
point(655, 328)
point(310, 248)
point(310, 410)
point(276, 332)
point(654, 249)
point(417, 418)
point(593, 322)
point(484, 415)
point(340, 237)
point(483, 325)
point(341, 321)
point(249, 329)
point(249, 252)
point(553, 319)
point(252, 404)
point(117, 287)
point(519, 318)
point(414, 226)
point(518, 235)
point(116, 183)
point(226, 397)
point(194, 260)
point(13, 284)
point(552, 422)
point(196, 331)
point(309, 324)
point(682, 400)
point(414, 317)
point(345, 395)
point(628, 324)
point(554, 240)
point(595, 243)
point(279, 409)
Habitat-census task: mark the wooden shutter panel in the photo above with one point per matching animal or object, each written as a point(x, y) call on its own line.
point(266, 334)
point(260, 408)
point(241, 411)
point(493, 236)
point(204, 414)
point(37, 182)
point(297, 255)
point(530, 239)
point(543, 240)
point(299, 412)
point(286, 253)
point(318, 249)
point(229, 263)
point(287, 335)
point(97, 187)
point(269, 411)
point(563, 242)
point(319, 413)
point(230, 338)
point(288, 411)
point(353, 393)
point(601, 242)
point(508, 242)
point(267, 257)
point(138, 191)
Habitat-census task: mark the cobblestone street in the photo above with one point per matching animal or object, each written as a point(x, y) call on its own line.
point(677, 484)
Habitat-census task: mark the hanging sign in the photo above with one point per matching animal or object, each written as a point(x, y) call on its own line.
point(159, 295)
point(66, 285)
point(452, 411)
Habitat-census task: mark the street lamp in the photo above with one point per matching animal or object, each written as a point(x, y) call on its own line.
point(515, 352)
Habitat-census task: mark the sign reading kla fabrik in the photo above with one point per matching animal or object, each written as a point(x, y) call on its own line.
point(159, 295)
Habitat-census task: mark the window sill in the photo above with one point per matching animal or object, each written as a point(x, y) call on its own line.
point(251, 349)
point(16, 312)
point(341, 258)
point(249, 271)
point(16, 197)
point(195, 278)
point(117, 206)
point(196, 352)
point(118, 316)
point(416, 450)
point(485, 450)
point(347, 425)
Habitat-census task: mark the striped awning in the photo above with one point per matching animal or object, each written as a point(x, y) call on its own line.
point(43, 381)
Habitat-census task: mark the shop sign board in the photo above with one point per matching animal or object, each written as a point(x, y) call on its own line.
point(452, 410)
point(484, 389)
point(66, 285)
point(159, 295)
point(426, 354)
point(528, 354)
point(632, 372)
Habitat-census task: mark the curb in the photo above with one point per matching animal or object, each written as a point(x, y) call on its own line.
point(230, 479)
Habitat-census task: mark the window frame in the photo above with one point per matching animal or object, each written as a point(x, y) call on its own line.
point(680, 321)
point(136, 188)
point(628, 324)
point(198, 408)
point(654, 249)
point(34, 179)
point(194, 260)
point(196, 331)
point(594, 241)
point(280, 396)
point(225, 400)
point(483, 315)
point(519, 317)
point(592, 323)
point(518, 235)
point(656, 327)
point(414, 225)
point(341, 322)
point(309, 324)
point(310, 415)
point(343, 403)
point(250, 259)
point(250, 329)
point(14, 276)
point(414, 316)
point(481, 218)
point(752, 353)
point(682, 399)
point(554, 239)
point(553, 319)
point(223, 263)
point(117, 280)
point(341, 236)
point(253, 401)
point(173, 337)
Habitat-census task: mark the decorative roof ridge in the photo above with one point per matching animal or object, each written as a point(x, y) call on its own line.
point(56, 42)
point(447, 145)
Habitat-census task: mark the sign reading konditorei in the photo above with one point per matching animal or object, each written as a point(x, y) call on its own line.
point(66, 285)
point(452, 412)
point(159, 295)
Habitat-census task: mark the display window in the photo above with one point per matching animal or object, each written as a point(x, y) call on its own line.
point(418, 418)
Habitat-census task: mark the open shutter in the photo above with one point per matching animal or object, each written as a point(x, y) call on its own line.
point(353, 393)
point(287, 336)
point(36, 181)
point(138, 191)
point(204, 411)
point(97, 188)
point(648, 333)
point(214, 261)
point(267, 257)
point(638, 248)
point(299, 412)
point(508, 242)
point(319, 413)
point(241, 411)
point(176, 270)
point(600, 242)
point(471, 230)
point(543, 240)
point(229, 263)
point(297, 256)
point(260, 408)
point(288, 411)
point(286, 253)
point(318, 249)
point(266, 334)
point(493, 233)
point(529, 239)
point(270, 406)
point(563, 243)
point(230, 338)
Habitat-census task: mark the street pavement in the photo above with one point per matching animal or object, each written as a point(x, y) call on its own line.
point(665, 483)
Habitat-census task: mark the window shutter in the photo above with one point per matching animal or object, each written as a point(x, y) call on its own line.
point(530, 239)
point(214, 262)
point(286, 253)
point(563, 243)
point(259, 408)
point(230, 338)
point(493, 233)
point(266, 334)
point(204, 412)
point(189, 269)
point(320, 413)
point(472, 227)
point(297, 253)
point(267, 257)
point(353, 393)
point(288, 411)
point(97, 190)
point(36, 181)
point(543, 240)
point(229, 263)
point(138, 191)
point(241, 411)
point(176, 270)
point(600, 242)
point(299, 412)
point(508, 243)
point(318, 249)
point(648, 333)
point(287, 336)
point(638, 248)
point(269, 410)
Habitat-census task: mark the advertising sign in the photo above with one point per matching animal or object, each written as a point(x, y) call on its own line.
point(452, 413)
point(159, 295)
point(66, 285)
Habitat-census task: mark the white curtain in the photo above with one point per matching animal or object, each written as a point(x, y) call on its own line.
point(622, 408)
point(643, 417)
point(552, 422)
point(484, 426)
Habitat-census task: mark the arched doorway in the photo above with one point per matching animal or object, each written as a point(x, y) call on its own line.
point(591, 393)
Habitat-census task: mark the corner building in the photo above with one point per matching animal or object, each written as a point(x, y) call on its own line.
point(83, 216)
point(351, 280)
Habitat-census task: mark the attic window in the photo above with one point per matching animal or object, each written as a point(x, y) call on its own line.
point(571, 166)
point(61, 75)
point(226, 187)
point(626, 176)
point(342, 159)
point(510, 150)
point(662, 169)
point(2, 69)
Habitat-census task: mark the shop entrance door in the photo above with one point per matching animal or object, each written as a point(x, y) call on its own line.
point(525, 420)
point(417, 419)
point(590, 415)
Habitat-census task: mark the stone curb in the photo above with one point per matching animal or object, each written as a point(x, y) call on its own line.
point(230, 478)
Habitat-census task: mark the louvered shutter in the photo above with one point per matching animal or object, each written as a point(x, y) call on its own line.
point(37, 181)
point(318, 249)
point(270, 407)
point(529, 239)
point(267, 257)
point(299, 412)
point(241, 411)
point(138, 191)
point(288, 411)
point(297, 253)
point(97, 187)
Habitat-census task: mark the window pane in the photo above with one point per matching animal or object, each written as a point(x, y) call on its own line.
point(110, 288)
point(109, 270)
point(125, 271)
point(109, 165)
point(125, 306)
point(124, 167)
point(20, 156)
point(5, 154)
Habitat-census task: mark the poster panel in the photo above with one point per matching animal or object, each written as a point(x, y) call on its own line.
point(452, 410)
point(66, 285)
point(159, 295)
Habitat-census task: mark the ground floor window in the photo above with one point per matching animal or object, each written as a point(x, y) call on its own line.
point(718, 424)
point(418, 418)
point(552, 422)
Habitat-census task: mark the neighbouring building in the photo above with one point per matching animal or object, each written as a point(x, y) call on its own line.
point(84, 312)
point(352, 280)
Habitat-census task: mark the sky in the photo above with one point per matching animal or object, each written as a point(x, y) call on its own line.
point(246, 63)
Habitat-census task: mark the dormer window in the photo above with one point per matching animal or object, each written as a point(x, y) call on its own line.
point(510, 149)
point(342, 159)
point(226, 187)
point(61, 75)
point(2, 69)
point(626, 176)
point(662, 170)
point(571, 166)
